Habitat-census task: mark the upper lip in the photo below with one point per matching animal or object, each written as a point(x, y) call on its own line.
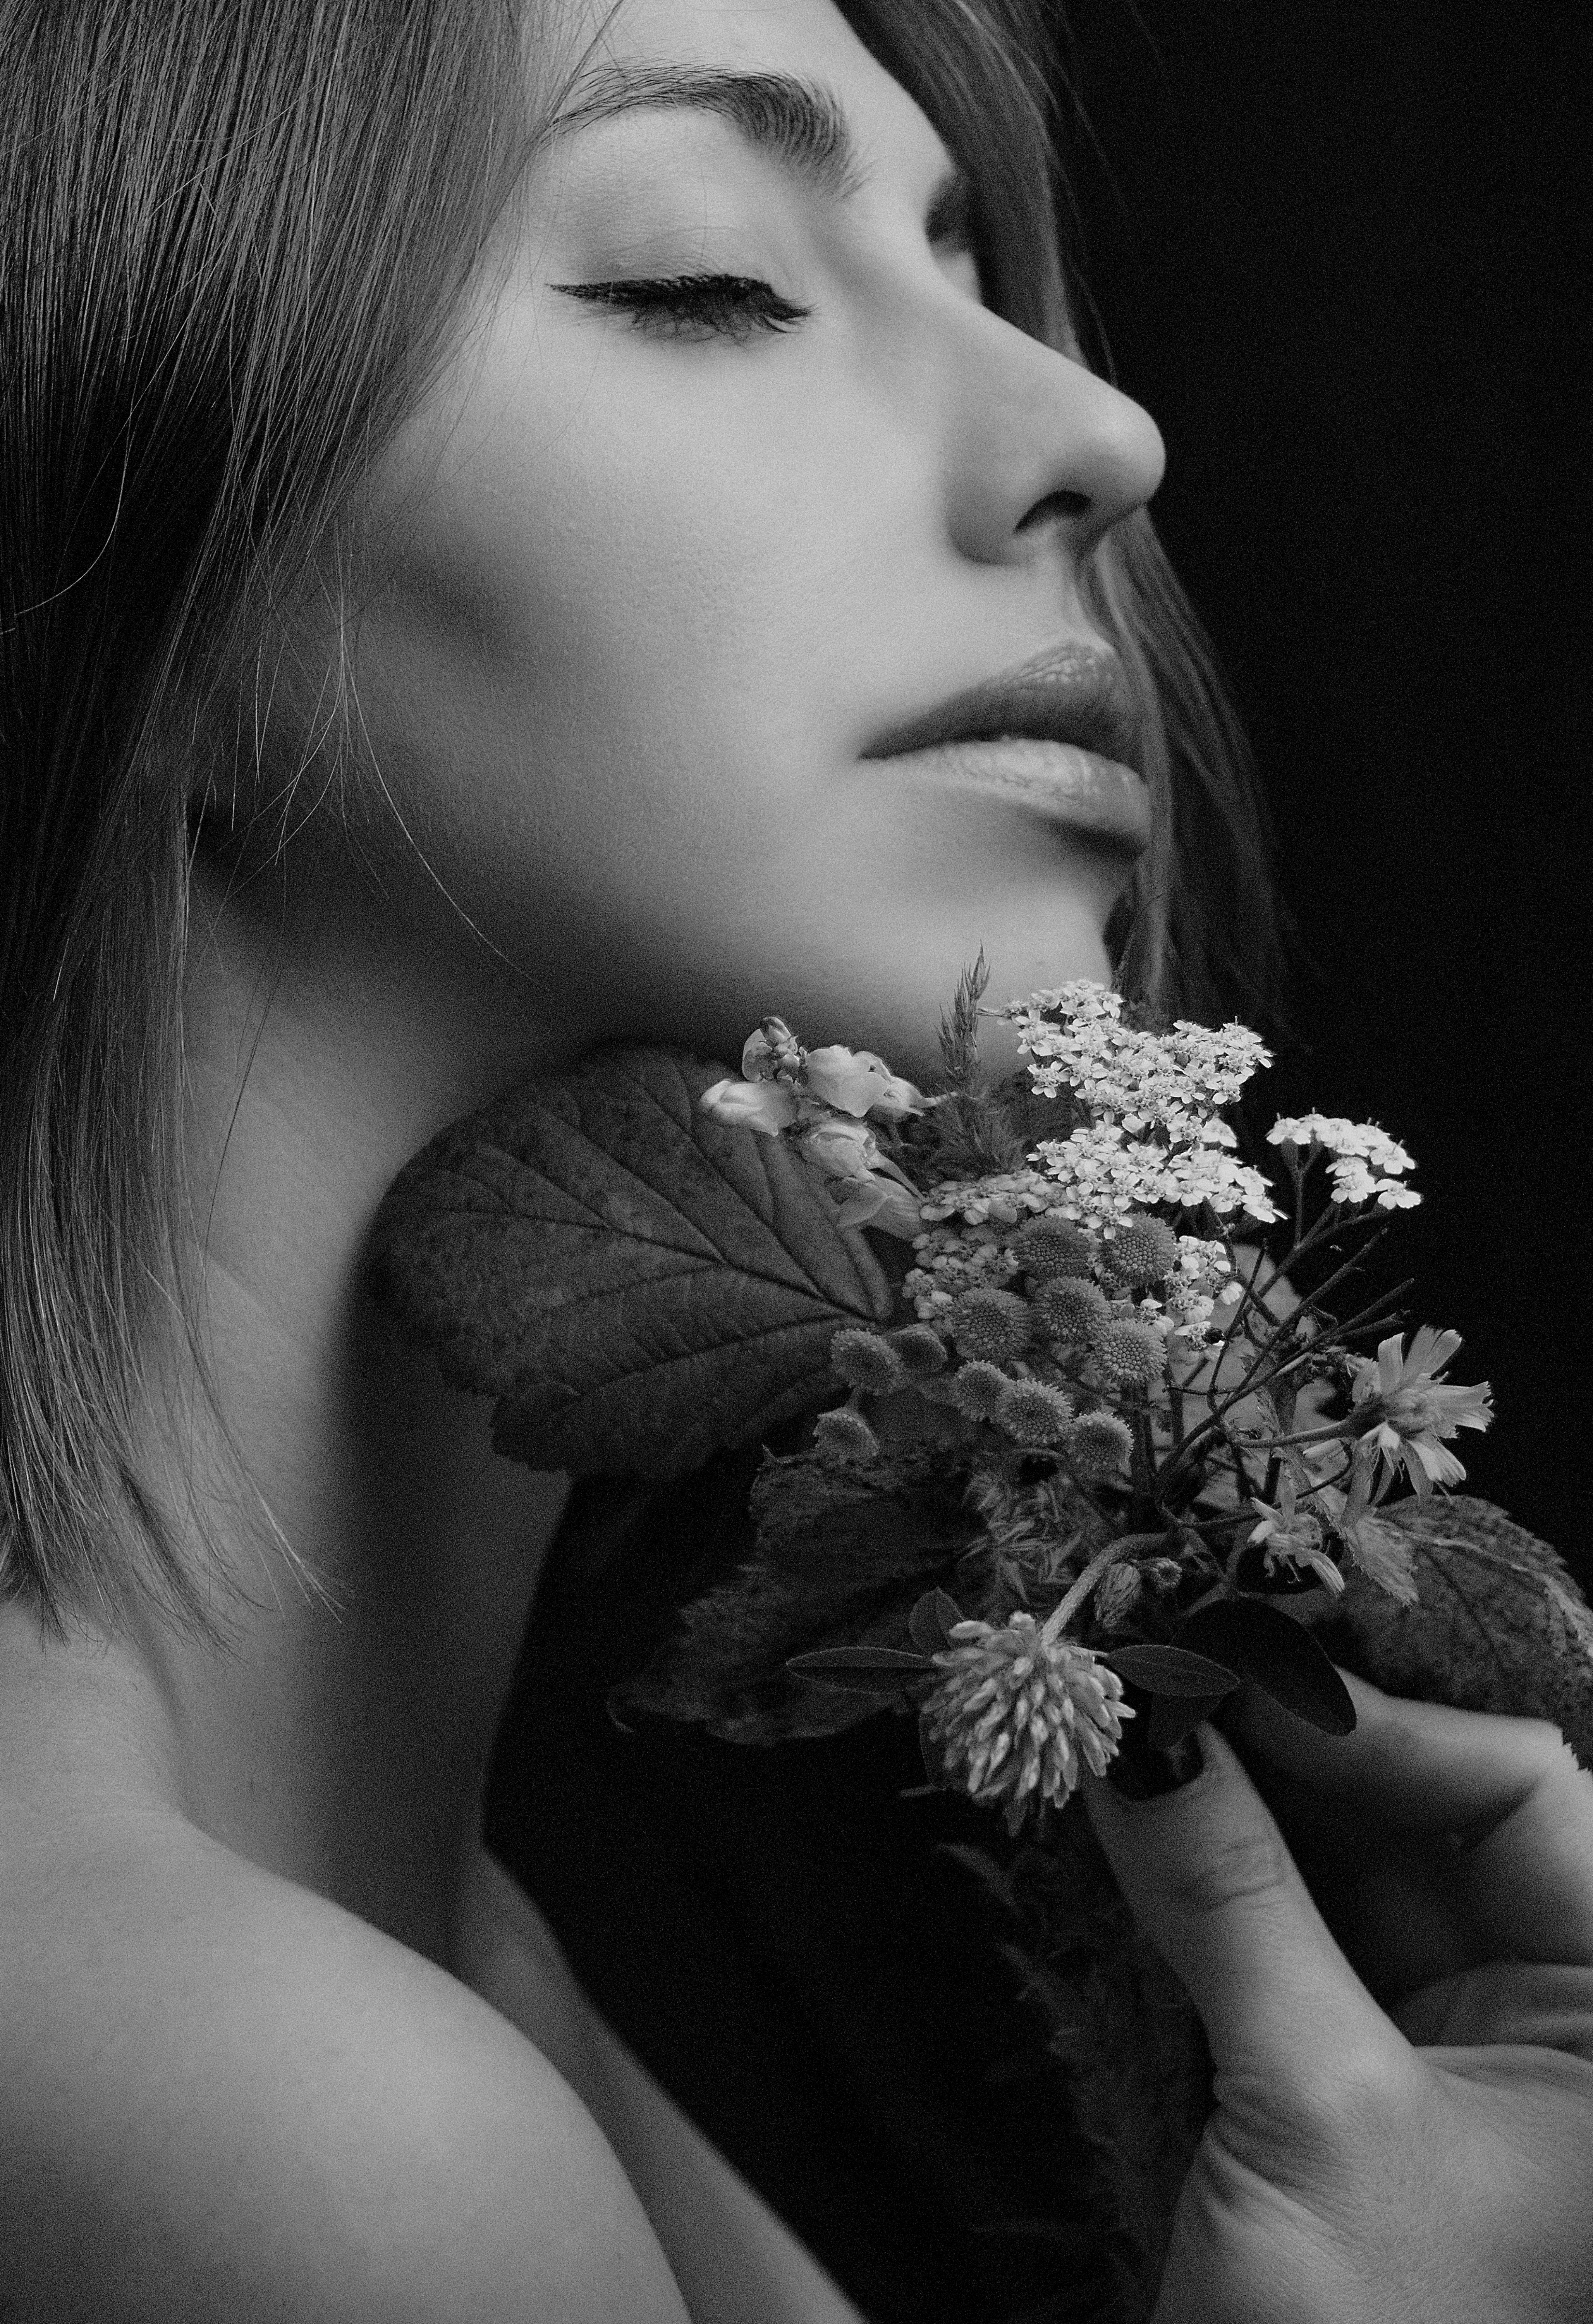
point(1075, 691)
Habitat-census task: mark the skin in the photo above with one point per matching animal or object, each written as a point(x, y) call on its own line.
point(650, 599)
point(1403, 2048)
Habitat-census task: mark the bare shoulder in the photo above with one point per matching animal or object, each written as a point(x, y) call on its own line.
point(223, 2097)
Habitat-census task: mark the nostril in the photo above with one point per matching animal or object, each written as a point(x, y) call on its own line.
point(1054, 505)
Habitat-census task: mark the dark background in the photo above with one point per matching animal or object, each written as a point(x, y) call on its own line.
point(1341, 254)
point(1340, 251)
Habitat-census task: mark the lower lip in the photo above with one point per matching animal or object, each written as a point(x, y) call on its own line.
point(1076, 789)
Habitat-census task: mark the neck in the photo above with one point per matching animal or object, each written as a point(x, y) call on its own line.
point(343, 1744)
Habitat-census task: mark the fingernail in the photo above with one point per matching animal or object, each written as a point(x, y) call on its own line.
point(1150, 1774)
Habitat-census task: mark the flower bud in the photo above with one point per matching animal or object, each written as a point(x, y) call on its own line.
point(1129, 1353)
point(1054, 1246)
point(866, 1360)
point(1071, 1311)
point(1116, 1594)
point(844, 1436)
point(1034, 1411)
point(978, 1387)
point(990, 1324)
point(1142, 1250)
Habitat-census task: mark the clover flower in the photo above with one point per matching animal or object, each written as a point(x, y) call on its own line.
point(1020, 1715)
point(1034, 1411)
point(1098, 1445)
point(867, 1360)
point(1408, 1408)
point(978, 1388)
point(1071, 1311)
point(990, 1323)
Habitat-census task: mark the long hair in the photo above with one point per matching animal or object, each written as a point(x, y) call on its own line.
point(232, 237)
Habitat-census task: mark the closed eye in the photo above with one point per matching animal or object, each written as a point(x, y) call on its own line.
point(735, 306)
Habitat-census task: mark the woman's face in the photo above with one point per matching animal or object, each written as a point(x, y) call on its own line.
point(665, 585)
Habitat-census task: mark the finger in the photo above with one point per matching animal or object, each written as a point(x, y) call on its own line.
point(1508, 1790)
point(1213, 1885)
point(1538, 2004)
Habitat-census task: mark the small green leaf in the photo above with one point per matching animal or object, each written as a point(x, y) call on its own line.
point(879, 1671)
point(1175, 1716)
point(1173, 1670)
point(1278, 1654)
point(930, 1622)
point(824, 1660)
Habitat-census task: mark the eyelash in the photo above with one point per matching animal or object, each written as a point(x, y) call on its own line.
point(738, 306)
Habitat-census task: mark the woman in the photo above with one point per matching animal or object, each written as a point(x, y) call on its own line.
point(438, 637)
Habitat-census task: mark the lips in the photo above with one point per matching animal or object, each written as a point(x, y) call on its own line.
point(1058, 734)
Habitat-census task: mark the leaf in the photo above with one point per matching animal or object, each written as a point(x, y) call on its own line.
point(1277, 1655)
point(1490, 1630)
point(1175, 1716)
point(637, 1286)
point(1173, 1670)
point(860, 1670)
point(929, 1624)
point(889, 1659)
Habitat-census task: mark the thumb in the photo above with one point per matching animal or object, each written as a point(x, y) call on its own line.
point(1214, 1888)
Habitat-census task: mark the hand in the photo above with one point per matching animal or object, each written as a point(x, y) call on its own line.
point(1413, 2143)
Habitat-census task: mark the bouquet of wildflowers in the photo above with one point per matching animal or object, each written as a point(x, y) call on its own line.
point(1163, 1431)
point(1027, 1406)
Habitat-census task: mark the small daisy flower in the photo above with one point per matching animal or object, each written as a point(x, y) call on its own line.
point(1019, 1715)
point(1408, 1408)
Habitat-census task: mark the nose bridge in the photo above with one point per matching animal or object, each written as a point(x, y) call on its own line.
point(1038, 445)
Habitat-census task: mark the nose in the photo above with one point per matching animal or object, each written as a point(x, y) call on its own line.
point(1042, 450)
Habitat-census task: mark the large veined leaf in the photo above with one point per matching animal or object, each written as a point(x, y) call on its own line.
point(637, 1284)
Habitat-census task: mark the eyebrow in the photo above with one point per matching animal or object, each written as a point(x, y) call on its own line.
point(801, 125)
